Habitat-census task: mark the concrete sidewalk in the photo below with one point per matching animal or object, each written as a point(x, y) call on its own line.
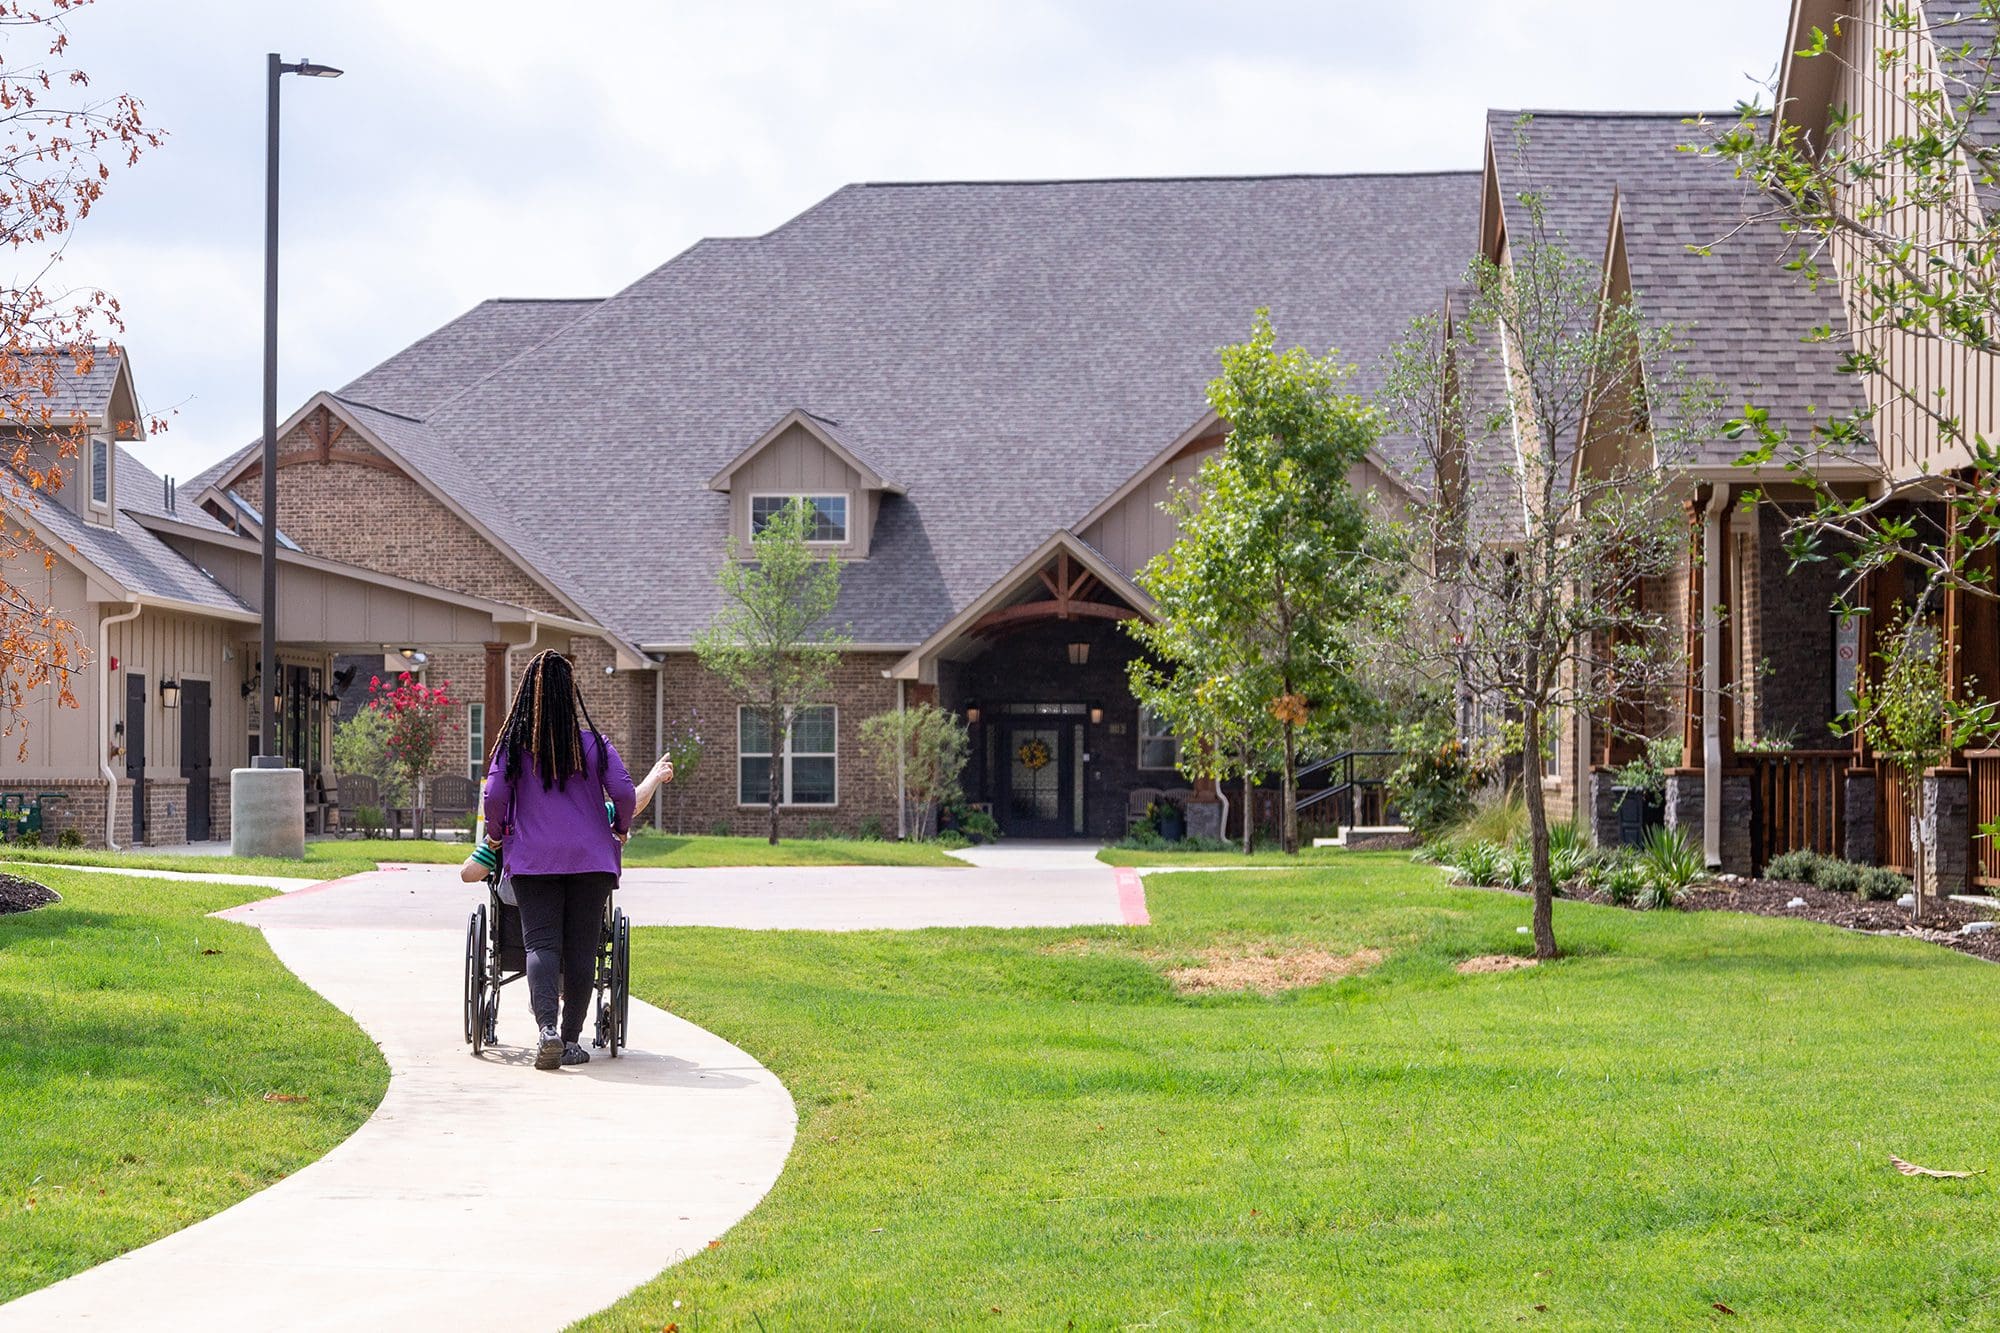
point(481, 1194)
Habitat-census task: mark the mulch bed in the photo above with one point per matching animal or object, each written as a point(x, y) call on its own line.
point(1767, 897)
point(24, 895)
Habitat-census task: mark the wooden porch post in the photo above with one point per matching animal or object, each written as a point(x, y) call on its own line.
point(1692, 637)
point(496, 695)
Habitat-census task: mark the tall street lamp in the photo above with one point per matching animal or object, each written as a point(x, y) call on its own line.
point(276, 69)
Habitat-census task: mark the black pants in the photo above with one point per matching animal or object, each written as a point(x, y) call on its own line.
point(561, 916)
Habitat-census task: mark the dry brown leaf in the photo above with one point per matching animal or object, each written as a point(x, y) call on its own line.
point(1725, 1309)
point(1912, 1169)
point(284, 1097)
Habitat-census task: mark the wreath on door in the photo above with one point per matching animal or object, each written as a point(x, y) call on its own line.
point(1034, 754)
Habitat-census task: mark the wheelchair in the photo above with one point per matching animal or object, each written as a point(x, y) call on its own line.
point(496, 957)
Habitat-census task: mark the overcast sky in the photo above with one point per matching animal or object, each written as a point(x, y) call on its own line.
point(494, 148)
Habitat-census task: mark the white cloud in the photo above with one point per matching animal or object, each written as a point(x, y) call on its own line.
point(503, 148)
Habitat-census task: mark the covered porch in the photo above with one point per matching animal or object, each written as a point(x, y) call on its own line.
point(1037, 668)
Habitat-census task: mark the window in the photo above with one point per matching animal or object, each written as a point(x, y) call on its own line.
point(809, 767)
point(100, 470)
point(1158, 747)
point(829, 516)
point(475, 742)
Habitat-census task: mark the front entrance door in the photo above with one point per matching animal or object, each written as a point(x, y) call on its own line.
point(1040, 796)
point(135, 752)
point(195, 756)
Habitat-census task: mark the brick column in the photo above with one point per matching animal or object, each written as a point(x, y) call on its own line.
point(496, 694)
point(1684, 795)
point(1947, 804)
point(1604, 831)
point(1858, 795)
point(1736, 819)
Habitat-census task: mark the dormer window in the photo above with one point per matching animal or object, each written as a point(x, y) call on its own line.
point(100, 472)
point(829, 516)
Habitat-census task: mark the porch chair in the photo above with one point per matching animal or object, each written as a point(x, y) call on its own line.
point(450, 796)
point(1136, 803)
point(352, 791)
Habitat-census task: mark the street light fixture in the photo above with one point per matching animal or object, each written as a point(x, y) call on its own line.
point(275, 69)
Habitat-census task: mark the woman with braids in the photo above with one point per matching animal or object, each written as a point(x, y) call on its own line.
point(552, 775)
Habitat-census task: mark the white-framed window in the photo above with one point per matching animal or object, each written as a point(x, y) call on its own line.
point(475, 742)
point(1158, 746)
point(100, 471)
point(809, 767)
point(829, 516)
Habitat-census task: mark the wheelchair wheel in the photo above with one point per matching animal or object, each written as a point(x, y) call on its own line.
point(477, 1023)
point(621, 980)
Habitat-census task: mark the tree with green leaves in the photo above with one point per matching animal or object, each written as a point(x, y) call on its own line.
point(770, 643)
point(1890, 203)
point(1524, 571)
point(1277, 562)
point(926, 747)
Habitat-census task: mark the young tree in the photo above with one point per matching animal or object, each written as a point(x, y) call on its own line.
point(1277, 555)
point(416, 714)
point(683, 744)
point(930, 747)
point(1526, 570)
point(769, 643)
point(58, 143)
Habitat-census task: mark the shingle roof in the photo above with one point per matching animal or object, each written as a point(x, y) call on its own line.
point(445, 362)
point(1574, 159)
point(1740, 317)
point(1493, 462)
point(1010, 352)
point(140, 561)
point(1964, 37)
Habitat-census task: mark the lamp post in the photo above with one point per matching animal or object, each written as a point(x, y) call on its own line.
point(276, 69)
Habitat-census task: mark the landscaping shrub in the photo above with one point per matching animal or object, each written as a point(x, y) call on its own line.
point(1672, 862)
point(1475, 861)
point(870, 830)
point(1498, 818)
point(70, 837)
point(368, 819)
point(1570, 853)
point(975, 826)
point(1621, 881)
point(1517, 869)
point(1799, 867)
point(719, 829)
point(819, 828)
point(1838, 876)
point(1882, 885)
point(30, 838)
point(1433, 786)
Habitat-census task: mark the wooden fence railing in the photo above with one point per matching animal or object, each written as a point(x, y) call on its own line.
point(1893, 847)
point(1983, 767)
point(1796, 802)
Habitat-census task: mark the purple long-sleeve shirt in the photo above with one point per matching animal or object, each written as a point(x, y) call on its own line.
point(560, 830)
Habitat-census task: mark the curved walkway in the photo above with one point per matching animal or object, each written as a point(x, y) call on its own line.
point(481, 1194)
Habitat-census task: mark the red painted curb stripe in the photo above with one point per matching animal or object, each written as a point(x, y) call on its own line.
point(1132, 897)
point(231, 914)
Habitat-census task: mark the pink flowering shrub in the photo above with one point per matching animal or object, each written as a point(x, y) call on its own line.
point(417, 714)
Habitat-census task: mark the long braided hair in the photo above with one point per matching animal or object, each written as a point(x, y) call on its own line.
point(543, 722)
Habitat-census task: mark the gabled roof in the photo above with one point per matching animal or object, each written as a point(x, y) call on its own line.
point(1012, 352)
point(1493, 468)
point(1740, 319)
point(444, 363)
point(1574, 160)
point(829, 433)
point(86, 396)
point(128, 558)
point(1024, 575)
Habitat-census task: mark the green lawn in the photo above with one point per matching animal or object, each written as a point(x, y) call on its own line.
point(1691, 1109)
point(347, 856)
point(138, 1038)
point(1262, 856)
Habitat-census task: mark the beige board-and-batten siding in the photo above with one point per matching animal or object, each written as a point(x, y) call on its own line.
point(797, 464)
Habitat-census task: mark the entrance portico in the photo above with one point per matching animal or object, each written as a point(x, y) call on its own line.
point(1037, 667)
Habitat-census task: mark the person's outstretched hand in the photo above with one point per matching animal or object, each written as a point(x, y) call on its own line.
point(663, 770)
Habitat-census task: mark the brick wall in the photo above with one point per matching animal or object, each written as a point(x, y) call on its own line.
point(859, 690)
point(1792, 628)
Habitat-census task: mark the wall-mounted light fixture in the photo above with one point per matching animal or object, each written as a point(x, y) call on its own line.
point(250, 685)
point(1097, 715)
point(170, 694)
point(1079, 653)
point(972, 715)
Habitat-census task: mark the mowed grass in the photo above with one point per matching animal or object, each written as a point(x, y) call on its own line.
point(1032, 1129)
point(138, 1039)
point(334, 858)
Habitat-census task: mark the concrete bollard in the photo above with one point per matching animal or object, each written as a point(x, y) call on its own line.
point(267, 812)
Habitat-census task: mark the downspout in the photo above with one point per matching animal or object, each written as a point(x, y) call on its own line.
point(104, 721)
point(1714, 553)
point(902, 745)
point(534, 634)
point(659, 736)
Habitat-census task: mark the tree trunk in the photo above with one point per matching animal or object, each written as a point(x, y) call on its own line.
point(1288, 799)
point(776, 775)
point(1536, 800)
point(1249, 809)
